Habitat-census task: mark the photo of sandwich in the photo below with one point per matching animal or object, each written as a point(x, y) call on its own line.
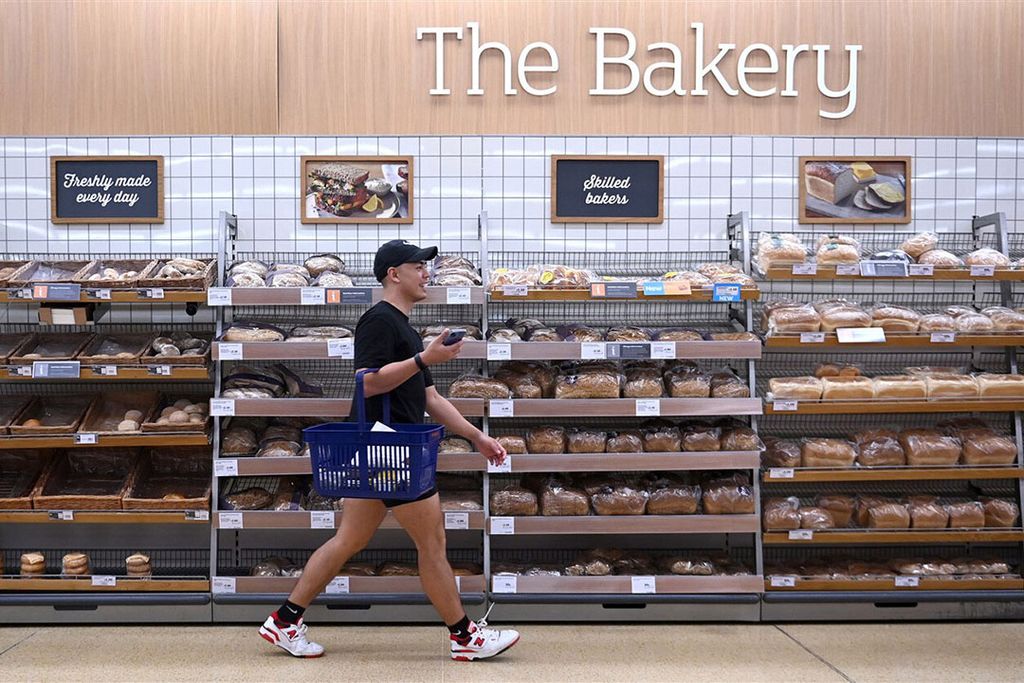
point(356, 190)
point(855, 190)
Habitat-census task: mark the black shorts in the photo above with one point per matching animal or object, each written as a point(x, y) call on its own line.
point(390, 503)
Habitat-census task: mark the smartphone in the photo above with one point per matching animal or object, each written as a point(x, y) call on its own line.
point(454, 337)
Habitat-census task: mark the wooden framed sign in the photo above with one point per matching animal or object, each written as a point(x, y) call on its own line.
point(356, 189)
point(854, 190)
point(108, 189)
point(607, 189)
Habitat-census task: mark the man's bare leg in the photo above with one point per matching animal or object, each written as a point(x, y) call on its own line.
point(424, 522)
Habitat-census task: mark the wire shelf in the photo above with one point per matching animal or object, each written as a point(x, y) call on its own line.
point(953, 489)
point(358, 265)
point(844, 426)
point(796, 364)
point(176, 563)
point(240, 563)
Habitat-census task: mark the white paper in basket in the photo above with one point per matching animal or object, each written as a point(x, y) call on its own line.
point(376, 458)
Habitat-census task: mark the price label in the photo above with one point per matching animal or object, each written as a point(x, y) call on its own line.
point(341, 348)
point(218, 296)
point(103, 294)
point(907, 581)
point(321, 519)
point(223, 584)
point(884, 269)
point(86, 439)
point(106, 370)
point(61, 292)
point(648, 407)
point(922, 269)
point(312, 296)
point(783, 581)
point(663, 350)
point(504, 467)
point(593, 350)
point(503, 526)
point(505, 584)
point(781, 473)
point(162, 370)
point(654, 288)
point(229, 351)
point(812, 337)
point(21, 370)
point(805, 269)
point(847, 269)
point(106, 581)
point(633, 350)
point(943, 337)
point(222, 407)
point(499, 352)
point(351, 295)
point(643, 584)
point(62, 515)
point(338, 585)
point(456, 520)
point(501, 408)
point(153, 293)
point(801, 535)
point(457, 296)
point(860, 335)
point(515, 290)
point(197, 515)
point(56, 370)
point(230, 520)
point(613, 290)
point(724, 291)
point(223, 467)
point(784, 406)
point(983, 271)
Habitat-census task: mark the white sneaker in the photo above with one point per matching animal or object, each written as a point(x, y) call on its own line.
point(290, 638)
point(483, 643)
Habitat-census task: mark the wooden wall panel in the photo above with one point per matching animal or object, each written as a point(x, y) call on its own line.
point(97, 67)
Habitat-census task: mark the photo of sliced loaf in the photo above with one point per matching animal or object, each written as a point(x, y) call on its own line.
point(855, 190)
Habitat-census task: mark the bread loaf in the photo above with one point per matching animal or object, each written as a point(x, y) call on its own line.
point(844, 316)
point(951, 386)
point(793, 319)
point(672, 496)
point(895, 318)
point(866, 501)
point(937, 322)
point(918, 244)
point(1004, 319)
point(455, 444)
point(685, 380)
point(847, 388)
point(513, 501)
point(702, 438)
point(586, 441)
point(1000, 513)
point(741, 439)
point(619, 500)
point(559, 500)
point(626, 441)
point(900, 386)
point(728, 500)
point(888, 516)
point(800, 388)
point(627, 333)
point(726, 384)
point(982, 446)
point(546, 440)
point(781, 514)
point(643, 382)
point(940, 258)
point(829, 181)
point(780, 452)
point(926, 513)
point(879, 448)
point(477, 386)
point(588, 384)
point(929, 447)
point(966, 515)
point(677, 334)
point(773, 249)
point(662, 438)
point(991, 385)
point(831, 254)
point(821, 452)
point(513, 445)
point(734, 336)
point(815, 518)
point(840, 507)
point(823, 370)
point(987, 257)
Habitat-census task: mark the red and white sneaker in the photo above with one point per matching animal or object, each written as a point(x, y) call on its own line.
point(483, 642)
point(290, 637)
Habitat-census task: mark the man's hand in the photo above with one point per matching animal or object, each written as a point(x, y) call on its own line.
point(491, 449)
point(436, 352)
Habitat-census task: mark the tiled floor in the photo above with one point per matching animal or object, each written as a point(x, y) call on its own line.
point(592, 653)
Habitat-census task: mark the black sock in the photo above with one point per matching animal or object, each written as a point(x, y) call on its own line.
point(289, 612)
point(461, 629)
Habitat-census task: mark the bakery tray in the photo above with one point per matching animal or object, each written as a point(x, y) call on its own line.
point(781, 582)
point(10, 410)
point(783, 475)
point(194, 282)
point(144, 486)
point(865, 407)
point(134, 344)
point(16, 265)
point(73, 344)
point(49, 495)
point(106, 407)
point(150, 425)
point(75, 440)
point(150, 358)
point(75, 407)
point(628, 524)
point(19, 475)
point(10, 345)
point(123, 265)
point(123, 584)
point(885, 536)
point(34, 271)
point(155, 516)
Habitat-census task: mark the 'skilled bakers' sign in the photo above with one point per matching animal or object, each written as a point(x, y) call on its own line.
point(607, 189)
point(109, 189)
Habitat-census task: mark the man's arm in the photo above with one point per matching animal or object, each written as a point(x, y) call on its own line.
point(392, 375)
point(442, 411)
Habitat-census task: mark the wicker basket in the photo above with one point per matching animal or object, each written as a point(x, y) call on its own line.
point(10, 410)
point(79, 404)
point(80, 339)
point(151, 426)
point(10, 345)
point(48, 494)
point(150, 477)
point(27, 274)
point(19, 475)
point(94, 423)
point(200, 281)
point(140, 266)
point(149, 358)
point(140, 344)
point(17, 265)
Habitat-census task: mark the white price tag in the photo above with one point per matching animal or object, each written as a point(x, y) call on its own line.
point(663, 350)
point(812, 337)
point(321, 519)
point(313, 296)
point(783, 581)
point(515, 290)
point(107, 581)
point(341, 348)
point(459, 295)
point(499, 352)
point(222, 407)
point(805, 269)
point(504, 467)
point(86, 439)
point(218, 296)
point(108, 370)
point(801, 535)
point(456, 520)
point(223, 584)
point(503, 526)
point(983, 271)
point(593, 350)
point(505, 584)
point(225, 468)
point(230, 520)
point(198, 515)
point(155, 293)
point(63, 515)
point(943, 337)
point(847, 269)
point(101, 294)
point(780, 406)
point(21, 370)
point(648, 407)
point(501, 408)
point(643, 584)
point(162, 370)
point(908, 581)
point(338, 585)
point(860, 335)
point(923, 269)
point(780, 473)
point(229, 351)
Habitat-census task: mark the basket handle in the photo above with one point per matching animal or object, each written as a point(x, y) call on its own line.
point(361, 401)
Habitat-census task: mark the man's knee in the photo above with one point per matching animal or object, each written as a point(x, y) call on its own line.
point(432, 543)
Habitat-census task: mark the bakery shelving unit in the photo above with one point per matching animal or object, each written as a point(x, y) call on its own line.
point(555, 541)
point(240, 539)
point(790, 596)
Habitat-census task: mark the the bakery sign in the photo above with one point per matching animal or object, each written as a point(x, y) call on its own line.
point(107, 189)
point(666, 70)
point(607, 189)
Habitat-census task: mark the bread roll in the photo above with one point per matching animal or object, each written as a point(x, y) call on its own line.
point(546, 440)
point(982, 446)
point(837, 370)
point(844, 316)
point(513, 445)
point(781, 514)
point(800, 388)
point(929, 447)
point(1000, 513)
point(940, 258)
point(626, 441)
point(918, 244)
point(895, 318)
point(816, 518)
point(821, 452)
point(780, 452)
point(793, 319)
point(967, 515)
point(840, 507)
point(987, 257)
point(847, 388)
point(888, 516)
point(991, 385)
point(879, 448)
point(900, 386)
point(951, 386)
point(926, 513)
point(937, 322)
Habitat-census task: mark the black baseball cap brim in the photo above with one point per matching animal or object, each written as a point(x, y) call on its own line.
point(396, 252)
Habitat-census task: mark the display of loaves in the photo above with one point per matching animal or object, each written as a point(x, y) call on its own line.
point(532, 330)
point(277, 565)
point(919, 383)
point(320, 270)
point(871, 511)
point(253, 331)
point(863, 566)
point(792, 317)
point(565, 277)
point(657, 436)
point(454, 271)
point(623, 562)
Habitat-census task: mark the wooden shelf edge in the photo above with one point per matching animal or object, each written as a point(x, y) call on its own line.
point(905, 474)
point(105, 441)
point(101, 517)
point(888, 584)
point(626, 407)
point(898, 406)
point(397, 585)
point(638, 462)
point(896, 536)
point(893, 340)
point(300, 519)
point(665, 584)
point(123, 585)
point(636, 524)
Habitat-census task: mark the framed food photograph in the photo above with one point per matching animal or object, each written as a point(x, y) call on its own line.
point(854, 190)
point(356, 189)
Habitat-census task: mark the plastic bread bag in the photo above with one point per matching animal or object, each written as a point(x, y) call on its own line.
point(558, 499)
point(815, 518)
point(661, 437)
point(287, 278)
point(319, 332)
point(866, 501)
point(841, 507)
point(513, 501)
point(781, 514)
point(619, 500)
point(696, 280)
point(888, 516)
point(727, 384)
point(845, 240)
point(783, 319)
point(461, 501)
point(893, 318)
point(966, 514)
point(777, 248)
point(937, 322)
point(730, 495)
point(927, 513)
point(246, 280)
point(1004, 319)
point(298, 385)
point(670, 494)
point(837, 369)
point(586, 383)
point(593, 563)
point(579, 333)
point(586, 440)
point(782, 453)
point(524, 326)
point(799, 388)
point(686, 566)
point(1000, 512)
point(455, 444)
point(513, 444)
point(247, 377)
point(987, 257)
point(543, 334)
point(472, 385)
point(702, 437)
point(830, 254)
point(896, 255)
point(686, 380)
point(930, 447)
point(625, 441)
point(520, 380)
point(643, 382)
point(940, 258)
point(503, 335)
point(546, 440)
point(257, 267)
point(983, 446)
point(247, 331)
point(677, 334)
point(502, 277)
point(741, 439)
point(879, 448)
point(915, 245)
point(627, 333)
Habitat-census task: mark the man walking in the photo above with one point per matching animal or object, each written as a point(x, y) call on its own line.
point(384, 339)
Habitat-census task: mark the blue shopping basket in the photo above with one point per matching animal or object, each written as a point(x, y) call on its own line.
point(350, 461)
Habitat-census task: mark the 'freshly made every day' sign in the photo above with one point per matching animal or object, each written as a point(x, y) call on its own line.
point(110, 189)
point(606, 189)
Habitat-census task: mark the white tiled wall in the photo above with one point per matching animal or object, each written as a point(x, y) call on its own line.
point(456, 177)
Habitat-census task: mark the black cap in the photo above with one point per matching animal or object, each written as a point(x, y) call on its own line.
point(396, 252)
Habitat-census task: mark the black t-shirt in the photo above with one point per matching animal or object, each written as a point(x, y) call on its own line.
point(385, 336)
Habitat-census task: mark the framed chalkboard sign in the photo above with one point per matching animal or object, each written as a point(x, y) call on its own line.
point(108, 189)
point(607, 189)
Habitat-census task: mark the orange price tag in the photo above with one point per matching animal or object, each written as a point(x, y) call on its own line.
point(334, 296)
point(678, 287)
point(40, 291)
point(597, 290)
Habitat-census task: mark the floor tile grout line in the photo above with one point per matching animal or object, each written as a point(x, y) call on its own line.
point(6, 650)
point(813, 653)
